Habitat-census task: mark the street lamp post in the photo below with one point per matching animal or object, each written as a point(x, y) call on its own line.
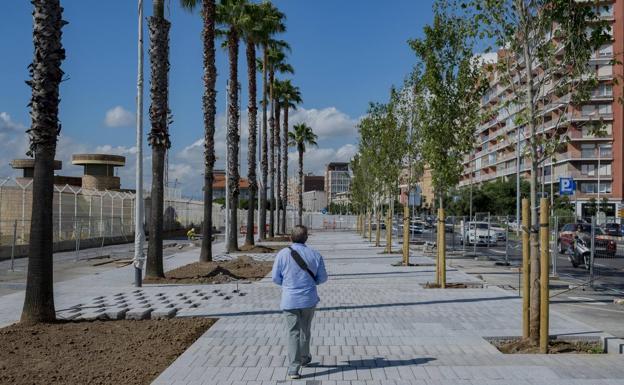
point(139, 236)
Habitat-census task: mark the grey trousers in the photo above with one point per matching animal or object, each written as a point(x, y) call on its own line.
point(298, 322)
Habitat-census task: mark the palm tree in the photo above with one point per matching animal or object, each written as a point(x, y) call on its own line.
point(231, 14)
point(272, 24)
point(158, 137)
point(261, 20)
point(210, 109)
point(301, 136)
point(278, 87)
point(46, 76)
point(290, 97)
point(276, 64)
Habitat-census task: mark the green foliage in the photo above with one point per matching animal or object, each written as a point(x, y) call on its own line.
point(450, 94)
point(497, 197)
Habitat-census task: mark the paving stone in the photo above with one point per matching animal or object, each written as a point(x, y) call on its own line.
point(116, 313)
point(163, 313)
point(138, 313)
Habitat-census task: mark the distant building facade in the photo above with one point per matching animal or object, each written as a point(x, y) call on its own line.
point(337, 180)
point(314, 201)
point(310, 183)
point(218, 186)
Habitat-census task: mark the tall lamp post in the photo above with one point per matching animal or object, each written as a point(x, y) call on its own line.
point(139, 236)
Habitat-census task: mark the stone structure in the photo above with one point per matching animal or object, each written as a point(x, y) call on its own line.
point(99, 170)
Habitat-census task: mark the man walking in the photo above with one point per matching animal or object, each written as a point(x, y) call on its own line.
point(298, 269)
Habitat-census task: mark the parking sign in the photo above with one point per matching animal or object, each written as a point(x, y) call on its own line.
point(566, 186)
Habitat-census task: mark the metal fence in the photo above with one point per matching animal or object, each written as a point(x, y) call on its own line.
point(581, 250)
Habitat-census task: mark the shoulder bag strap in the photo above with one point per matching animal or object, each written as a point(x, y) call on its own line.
point(295, 255)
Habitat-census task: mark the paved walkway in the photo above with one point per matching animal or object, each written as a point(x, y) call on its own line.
point(377, 325)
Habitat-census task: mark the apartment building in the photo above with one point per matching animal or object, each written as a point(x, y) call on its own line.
point(594, 161)
point(337, 180)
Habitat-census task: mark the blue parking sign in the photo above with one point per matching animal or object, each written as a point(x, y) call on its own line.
point(567, 186)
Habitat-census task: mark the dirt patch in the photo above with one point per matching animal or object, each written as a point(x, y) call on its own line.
point(392, 252)
point(278, 238)
point(400, 264)
point(523, 346)
point(242, 268)
point(262, 249)
point(453, 285)
point(96, 353)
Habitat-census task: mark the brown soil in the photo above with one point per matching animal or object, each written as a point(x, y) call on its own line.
point(261, 249)
point(522, 346)
point(241, 268)
point(278, 238)
point(96, 353)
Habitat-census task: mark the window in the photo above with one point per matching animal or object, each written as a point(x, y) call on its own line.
point(588, 169)
point(591, 131)
point(588, 110)
point(604, 90)
point(588, 150)
point(606, 50)
point(605, 169)
point(605, 187)
point(588, 187)
point(605, 70)
point(492, 158)
point(605, 10)
point(605, 109)
point(605, 150)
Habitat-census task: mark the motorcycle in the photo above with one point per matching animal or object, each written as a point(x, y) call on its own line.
point(579, 253)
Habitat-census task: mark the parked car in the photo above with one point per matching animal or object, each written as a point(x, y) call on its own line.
point(417, 227)
point(613, 229)
point(604, 247)
point(478, 233)
point(499, 231)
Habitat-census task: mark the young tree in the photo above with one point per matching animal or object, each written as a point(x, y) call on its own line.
point(452, 85)
point(158, 137)
point(46, 76)
point(544, 64)
point(210, 110)
point(301, 136)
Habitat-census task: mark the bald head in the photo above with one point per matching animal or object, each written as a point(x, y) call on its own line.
point(299, 234)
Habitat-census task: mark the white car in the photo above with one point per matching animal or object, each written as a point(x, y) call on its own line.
point(499, 230)
point(479, 233)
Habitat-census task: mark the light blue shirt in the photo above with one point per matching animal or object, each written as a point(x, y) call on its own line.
point(298, 287)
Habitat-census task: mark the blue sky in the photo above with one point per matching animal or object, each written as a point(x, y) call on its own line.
point(345, 53)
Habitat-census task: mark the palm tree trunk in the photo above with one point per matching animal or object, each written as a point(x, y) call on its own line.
point(46, 76)
point(284, 168)
point(300, 189)
point(278, 161)
point(264, 160)
point(158, 137)
point(272, 157)
point(233, 141)
point(209, 106)
point(252, 112)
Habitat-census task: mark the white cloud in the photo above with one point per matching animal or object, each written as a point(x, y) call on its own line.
point(119, 117)
point(327, 122)
point(315, 159)
point(7, 124)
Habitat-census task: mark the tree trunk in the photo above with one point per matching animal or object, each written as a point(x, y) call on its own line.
point(252, 112)
point(264, 161)
point(46, 76)
point(534, 321)
point(154, 263)
point(209, 106)
point(284, 168)
point(158, 137)
point(233, 140)
point(272, 157)
point(278, 161)
point(300, 188)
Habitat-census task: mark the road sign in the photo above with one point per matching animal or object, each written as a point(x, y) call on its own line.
point(567, 186)
point(324, 211)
